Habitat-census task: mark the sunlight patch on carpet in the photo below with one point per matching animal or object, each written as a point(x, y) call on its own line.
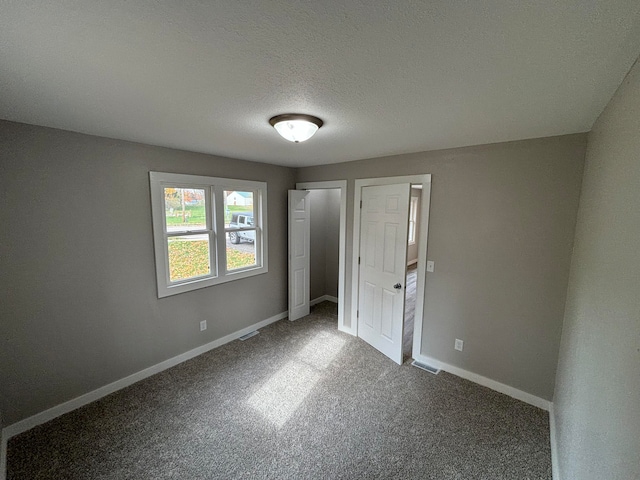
point(279, 398)
point(321, 351)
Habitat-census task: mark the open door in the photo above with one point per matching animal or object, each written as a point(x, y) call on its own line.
point(383, 253)
point(299, 236)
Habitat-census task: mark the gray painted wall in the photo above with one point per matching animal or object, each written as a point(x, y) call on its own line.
point(317, 244)
point(325, 239)
point(332, 241)
point(501, 235)
point(597, 399)
point(78, 302)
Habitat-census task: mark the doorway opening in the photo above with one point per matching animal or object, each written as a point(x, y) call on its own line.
point(327, 243)
point(411, 277)
point(381, 282)
point(324, 250)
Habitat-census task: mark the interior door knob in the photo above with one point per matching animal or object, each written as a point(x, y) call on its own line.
point(397, 286)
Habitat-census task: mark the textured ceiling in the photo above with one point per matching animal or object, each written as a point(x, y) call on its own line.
point(386, 77)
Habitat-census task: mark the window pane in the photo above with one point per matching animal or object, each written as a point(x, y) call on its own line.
point(188, 257)
point(185, 209)
point(243, 253)
point(238, 208)
point(413, 212)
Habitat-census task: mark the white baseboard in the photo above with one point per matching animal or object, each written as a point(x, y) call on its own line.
point(555, 472)
point(487, 382)
point(66, 407)
point(350, 331)
point(329, 298)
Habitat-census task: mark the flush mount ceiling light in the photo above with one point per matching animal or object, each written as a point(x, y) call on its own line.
point(296, 127)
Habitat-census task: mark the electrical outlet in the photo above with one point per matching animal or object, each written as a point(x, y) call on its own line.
point(459, 344)
point(203, 325)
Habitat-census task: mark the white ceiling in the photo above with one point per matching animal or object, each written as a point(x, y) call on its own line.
point(387, 77)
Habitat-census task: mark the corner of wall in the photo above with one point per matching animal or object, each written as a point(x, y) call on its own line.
point(606, 235)
point(555, 470)
point(3, 450)
point(3, 455)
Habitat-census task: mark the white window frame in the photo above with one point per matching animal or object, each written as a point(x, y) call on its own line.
point(413, 217)
point(214, 206)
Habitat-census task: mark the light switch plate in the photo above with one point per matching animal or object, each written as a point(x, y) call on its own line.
point(430, 266)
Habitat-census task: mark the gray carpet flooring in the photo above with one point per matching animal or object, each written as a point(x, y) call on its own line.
point(300, 400)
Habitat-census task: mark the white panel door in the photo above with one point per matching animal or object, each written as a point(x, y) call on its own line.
point(299, 236)
point(383, 251)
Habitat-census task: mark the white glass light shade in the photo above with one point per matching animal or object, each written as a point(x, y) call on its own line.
point(296, 130)
point(296, 127)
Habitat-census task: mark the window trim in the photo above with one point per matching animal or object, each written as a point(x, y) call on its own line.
point(214, 188)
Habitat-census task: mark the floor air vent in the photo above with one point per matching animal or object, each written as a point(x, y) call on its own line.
point(249, 335)
point(426, 367)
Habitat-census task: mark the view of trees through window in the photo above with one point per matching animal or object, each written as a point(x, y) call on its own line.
point(185, 207)
point(186, 211)
point(207, 230)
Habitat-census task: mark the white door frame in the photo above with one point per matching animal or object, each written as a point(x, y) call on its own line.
point(342, 185)
point(423, 232)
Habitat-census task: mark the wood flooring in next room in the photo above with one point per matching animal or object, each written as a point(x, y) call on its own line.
point(409, 310)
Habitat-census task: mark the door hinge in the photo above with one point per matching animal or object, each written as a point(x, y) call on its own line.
point(360, 203)
point(357, 313)
point(358, 260)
